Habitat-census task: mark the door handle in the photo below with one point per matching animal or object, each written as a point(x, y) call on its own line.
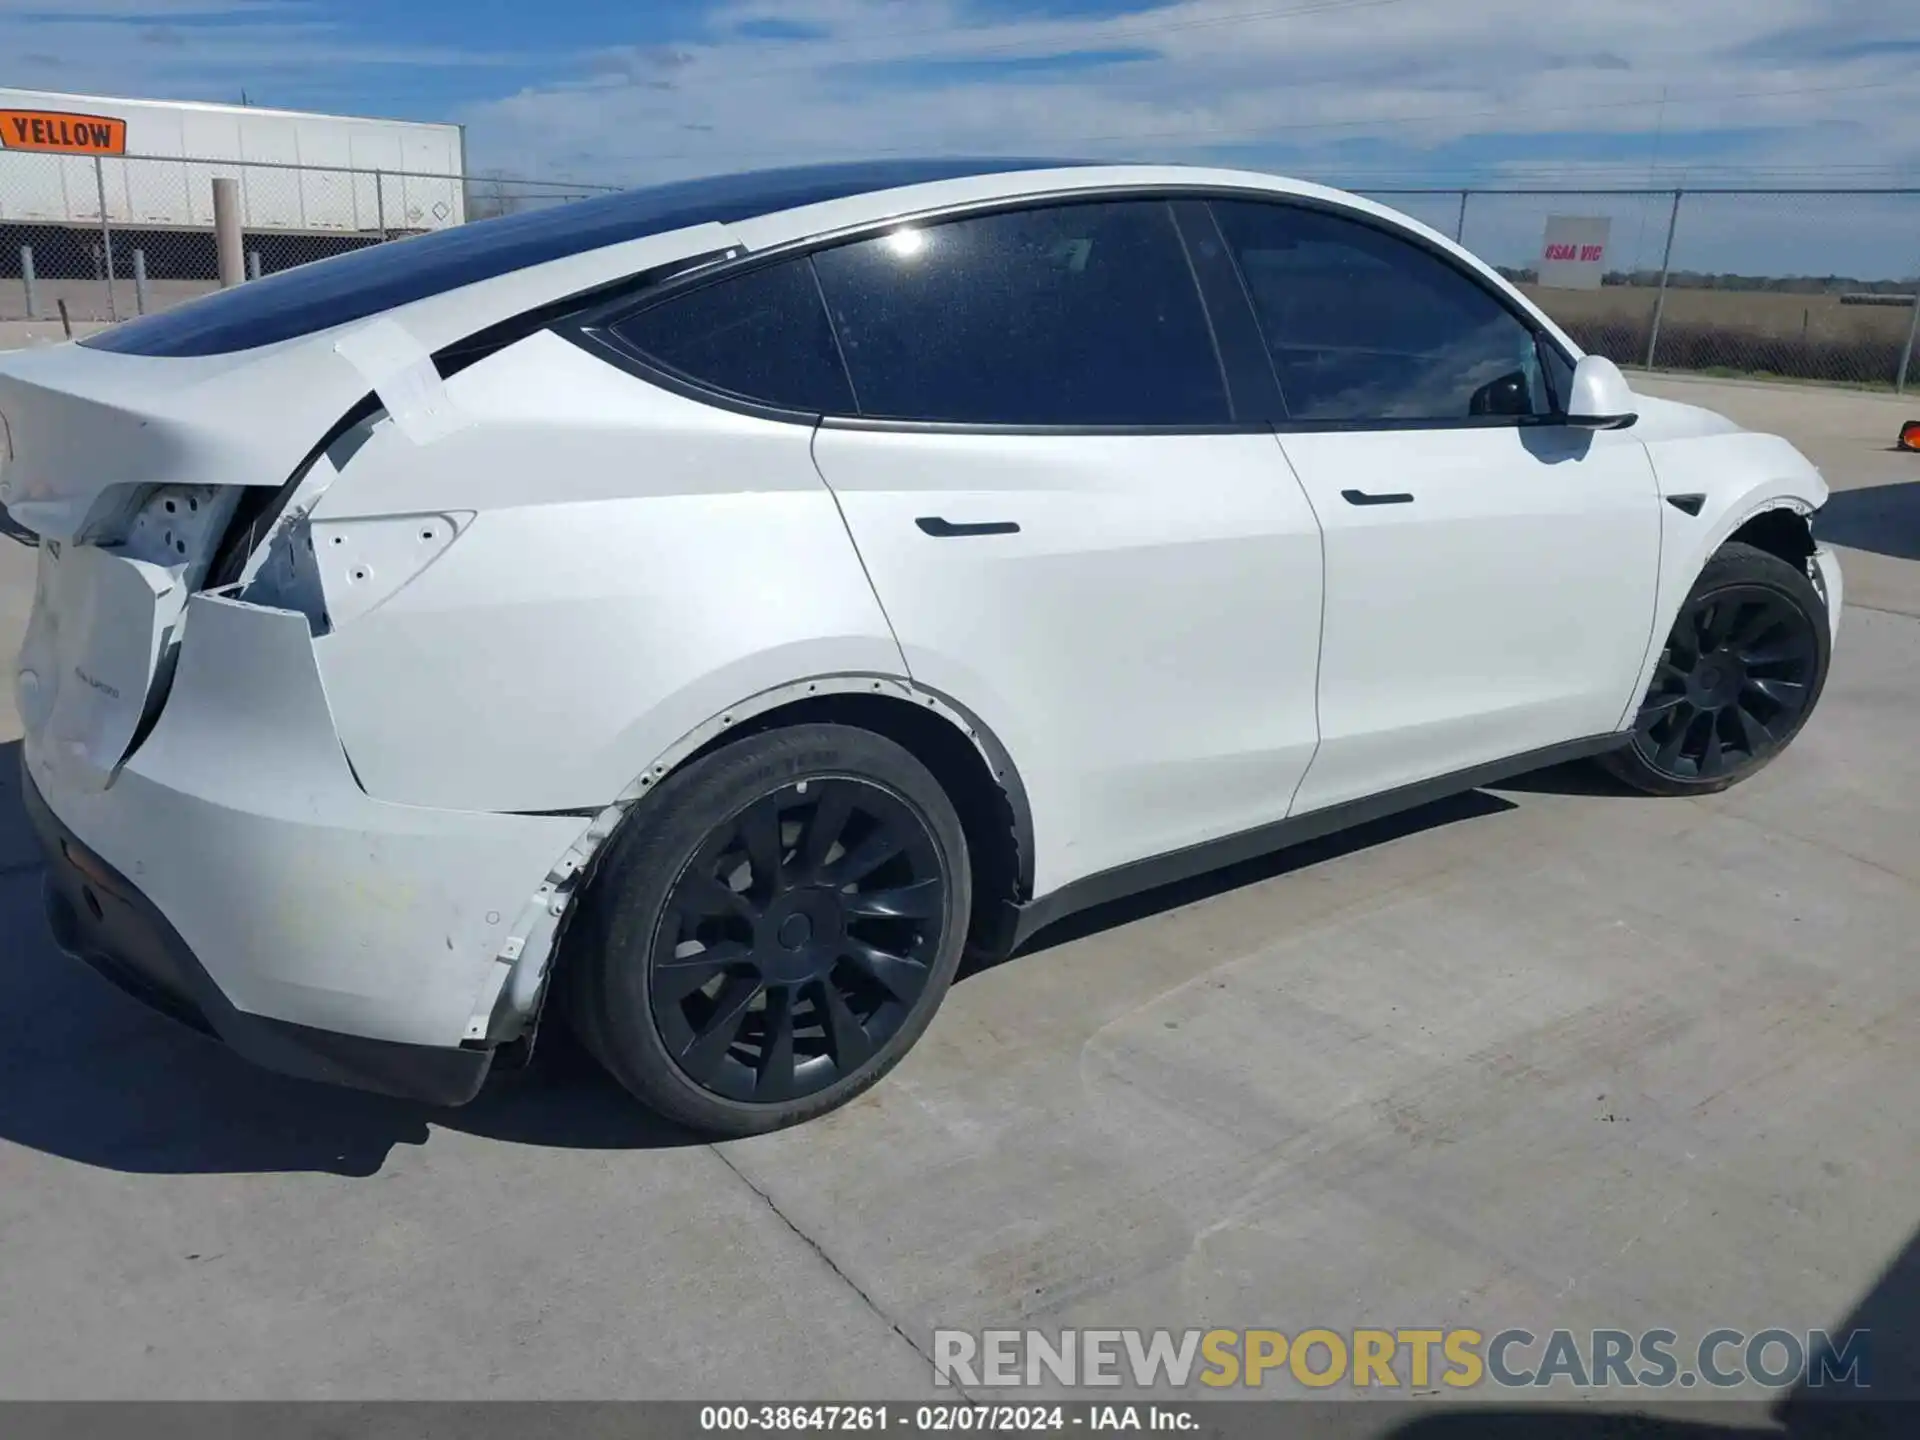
point(1361, 497)
point(946, 530)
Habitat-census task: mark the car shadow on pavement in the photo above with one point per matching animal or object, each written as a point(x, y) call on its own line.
point(1888, 1405)
point(90, 1075)
point(1882, 518)
point(1576, 777)
point(1471, 805)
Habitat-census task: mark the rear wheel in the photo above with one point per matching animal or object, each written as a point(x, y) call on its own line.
point(774, 931)
point(1741, 671)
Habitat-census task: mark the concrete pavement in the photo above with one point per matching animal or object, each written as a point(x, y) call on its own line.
point(1547, 1056)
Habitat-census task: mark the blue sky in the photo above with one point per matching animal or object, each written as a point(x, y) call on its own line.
point(1368, 93)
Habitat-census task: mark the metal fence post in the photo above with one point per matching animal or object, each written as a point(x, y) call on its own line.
point(27, 278)
point(253, 264)
point(1666, 268)
point(1906, 351)
point(226, 232)
point(380, 201)
point(106, 234)
point(139, 282)
point(1460, 224)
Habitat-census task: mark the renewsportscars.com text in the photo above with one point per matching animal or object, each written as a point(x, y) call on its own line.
point(1411, 1359)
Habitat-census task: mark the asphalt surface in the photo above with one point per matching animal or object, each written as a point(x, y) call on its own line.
point(1545, 1056)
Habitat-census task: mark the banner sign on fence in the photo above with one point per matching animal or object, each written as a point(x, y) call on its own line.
point(1574, 254)
point(56, 132)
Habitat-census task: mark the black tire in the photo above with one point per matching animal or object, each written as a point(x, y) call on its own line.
point(814, 881)
point(1742, 670)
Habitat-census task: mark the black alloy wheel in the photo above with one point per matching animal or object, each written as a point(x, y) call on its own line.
point(798, 940)
point(1735, 678)
point(1742, 669)
point(772, 929)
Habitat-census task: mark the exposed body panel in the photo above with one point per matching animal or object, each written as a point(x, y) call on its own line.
point(1144, 645)
point(84, 421)
point(326, 906)
point(636, 562)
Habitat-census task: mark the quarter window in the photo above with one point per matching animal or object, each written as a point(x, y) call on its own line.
point(1365, 326)
point(1075, 315)
point(762, 336)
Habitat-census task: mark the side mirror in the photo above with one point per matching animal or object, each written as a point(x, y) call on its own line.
point(1601, 398)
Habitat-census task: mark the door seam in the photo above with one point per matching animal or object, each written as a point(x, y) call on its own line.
point(1320, 640)
point(813, 440)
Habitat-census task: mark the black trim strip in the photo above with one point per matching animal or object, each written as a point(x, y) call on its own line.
point(1690, 504)
point(1397, 425)
point(1602, 422)
point(1169, 869)
point(1361, 497)
point(451, 359)
point(968, 427)
point(1251, 384)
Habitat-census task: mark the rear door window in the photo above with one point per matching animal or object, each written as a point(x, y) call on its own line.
point(761, 336)
point(1081, 315)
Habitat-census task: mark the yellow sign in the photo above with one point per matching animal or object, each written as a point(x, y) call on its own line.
point(55, 132)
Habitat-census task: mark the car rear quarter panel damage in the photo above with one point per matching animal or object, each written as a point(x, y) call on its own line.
point(333, 908)
point(86, 423)
point(628, 564)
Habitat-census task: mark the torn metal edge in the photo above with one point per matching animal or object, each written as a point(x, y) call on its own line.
point(510, 1003)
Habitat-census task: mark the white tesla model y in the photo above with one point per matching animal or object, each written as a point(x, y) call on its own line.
point(705, 612)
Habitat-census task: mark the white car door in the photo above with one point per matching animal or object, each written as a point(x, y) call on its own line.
point(1490, 572)
point(1069, 533)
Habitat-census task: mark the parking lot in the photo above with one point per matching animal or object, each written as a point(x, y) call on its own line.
point(1546, 1056)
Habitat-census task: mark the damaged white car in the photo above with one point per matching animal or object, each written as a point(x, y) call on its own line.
point(707, 612)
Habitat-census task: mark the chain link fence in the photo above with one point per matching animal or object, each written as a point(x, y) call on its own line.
point(1820, 285)
point(90, 239)
point(1795, 284)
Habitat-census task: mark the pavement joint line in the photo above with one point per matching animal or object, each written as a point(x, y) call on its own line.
point(1879, 610)
point(827, 1260)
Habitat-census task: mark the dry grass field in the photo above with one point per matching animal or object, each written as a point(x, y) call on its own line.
point(1748, 332)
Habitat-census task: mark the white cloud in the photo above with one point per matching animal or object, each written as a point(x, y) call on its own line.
point(1380, 91)
point(1408, 77)
point(204, 49)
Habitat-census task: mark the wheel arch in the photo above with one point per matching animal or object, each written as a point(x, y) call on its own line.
point(1775, 516)
point(966, 757)
point(1781, 526)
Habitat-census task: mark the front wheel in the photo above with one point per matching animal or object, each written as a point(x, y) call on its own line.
point(775, 929)
point(1742, 670)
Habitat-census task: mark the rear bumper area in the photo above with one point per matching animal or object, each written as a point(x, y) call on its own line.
point(232, 872)
point(99, 917)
